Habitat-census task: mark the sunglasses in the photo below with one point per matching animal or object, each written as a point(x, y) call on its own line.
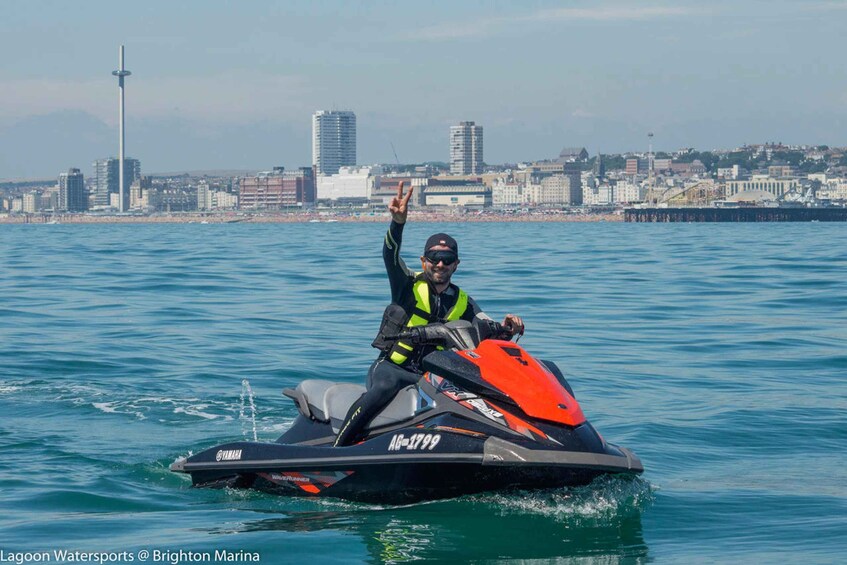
point(446, 257)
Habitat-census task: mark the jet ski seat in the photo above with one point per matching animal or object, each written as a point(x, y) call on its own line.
point(328, 401)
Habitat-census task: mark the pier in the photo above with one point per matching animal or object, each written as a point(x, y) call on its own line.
point(746, 214)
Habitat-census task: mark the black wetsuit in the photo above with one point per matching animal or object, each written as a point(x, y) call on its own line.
point(386, 378)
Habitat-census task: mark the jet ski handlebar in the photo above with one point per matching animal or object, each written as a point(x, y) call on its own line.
point(459, 334)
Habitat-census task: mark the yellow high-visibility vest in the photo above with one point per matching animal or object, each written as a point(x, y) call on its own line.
point(422, 315)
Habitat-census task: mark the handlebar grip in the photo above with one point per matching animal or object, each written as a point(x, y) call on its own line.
point(413, 335)
point(498, 331)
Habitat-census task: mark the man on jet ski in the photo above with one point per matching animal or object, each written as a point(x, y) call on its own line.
point(416, 299)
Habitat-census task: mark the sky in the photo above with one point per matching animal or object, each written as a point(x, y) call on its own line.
point(233, 85)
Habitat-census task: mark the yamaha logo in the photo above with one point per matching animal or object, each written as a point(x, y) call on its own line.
point(228, 455)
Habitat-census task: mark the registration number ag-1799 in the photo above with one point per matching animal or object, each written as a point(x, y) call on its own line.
point(415, 441)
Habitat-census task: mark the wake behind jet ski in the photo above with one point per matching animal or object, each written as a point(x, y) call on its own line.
point(485, 415)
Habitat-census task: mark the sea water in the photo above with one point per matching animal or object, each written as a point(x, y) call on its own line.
point(717, 352)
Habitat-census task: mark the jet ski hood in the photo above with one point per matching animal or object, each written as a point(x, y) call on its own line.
point(505, 372)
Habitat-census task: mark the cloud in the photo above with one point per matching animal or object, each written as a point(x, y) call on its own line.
point(822, 6)
point(489, 26)
point(580, 113)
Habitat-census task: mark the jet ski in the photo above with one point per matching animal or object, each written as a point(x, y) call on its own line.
point(485, 415)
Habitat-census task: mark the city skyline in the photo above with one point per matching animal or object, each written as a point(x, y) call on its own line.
point(593, 74)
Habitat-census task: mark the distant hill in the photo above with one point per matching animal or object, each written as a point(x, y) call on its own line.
point(43, 146)
point(208, 173)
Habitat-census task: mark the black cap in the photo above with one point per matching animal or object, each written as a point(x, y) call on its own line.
point(441, 239)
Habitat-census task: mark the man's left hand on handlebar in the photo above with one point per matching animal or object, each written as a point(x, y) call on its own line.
point(513, 324)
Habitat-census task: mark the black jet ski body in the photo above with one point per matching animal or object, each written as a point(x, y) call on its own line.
point(485, 415)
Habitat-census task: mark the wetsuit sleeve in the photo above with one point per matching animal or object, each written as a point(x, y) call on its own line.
point(474, 312)
point(399, 276)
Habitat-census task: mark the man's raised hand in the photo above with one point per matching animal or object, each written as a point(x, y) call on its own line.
point(399, 206)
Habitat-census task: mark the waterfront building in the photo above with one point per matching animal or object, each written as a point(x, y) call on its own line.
point(107, 179)
point(626, 192)
point(205, 198)
point(72, 194)
point(780, 171)
point(541, 169)
point(605, 195)
point(590, 194)
point(466, 149)
point(349, 182)
point(729, 173)
point(601, 195)
point(662, 164)
point(137, 190)
point(168, 197)
point(224, 200)
point(386, 189)
point(467, 196)
point(599, 167)
point(573, 171)
point(833, 189)
point(333, 141)
point(278, 189)
point(504, 193)
point(695, 167)
point(31, 202)
point(50, 199)
point(209, 198)
point(556, 190)
point(776, 187)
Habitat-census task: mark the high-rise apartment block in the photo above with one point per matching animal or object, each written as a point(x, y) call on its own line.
point(72, 196)
point(32, 202)
point(107, 179)
point(333, 141)
point(466, 149)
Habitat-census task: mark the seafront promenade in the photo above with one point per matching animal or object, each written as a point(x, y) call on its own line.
point(273, 218)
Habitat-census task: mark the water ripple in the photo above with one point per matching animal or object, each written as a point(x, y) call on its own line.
point(716, 352)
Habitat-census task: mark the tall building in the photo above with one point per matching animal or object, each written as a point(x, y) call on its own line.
point(137, 191)
point(333, 141)
point(31, 202)
point(466, 149)
point(599, 167)
point(72, 196)
point(573, 172)
point(634, 166)
point(107, 179)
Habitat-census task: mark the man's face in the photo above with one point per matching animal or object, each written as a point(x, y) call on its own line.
point(439, 263)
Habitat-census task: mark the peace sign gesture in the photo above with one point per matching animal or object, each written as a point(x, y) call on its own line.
point(399, 206)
